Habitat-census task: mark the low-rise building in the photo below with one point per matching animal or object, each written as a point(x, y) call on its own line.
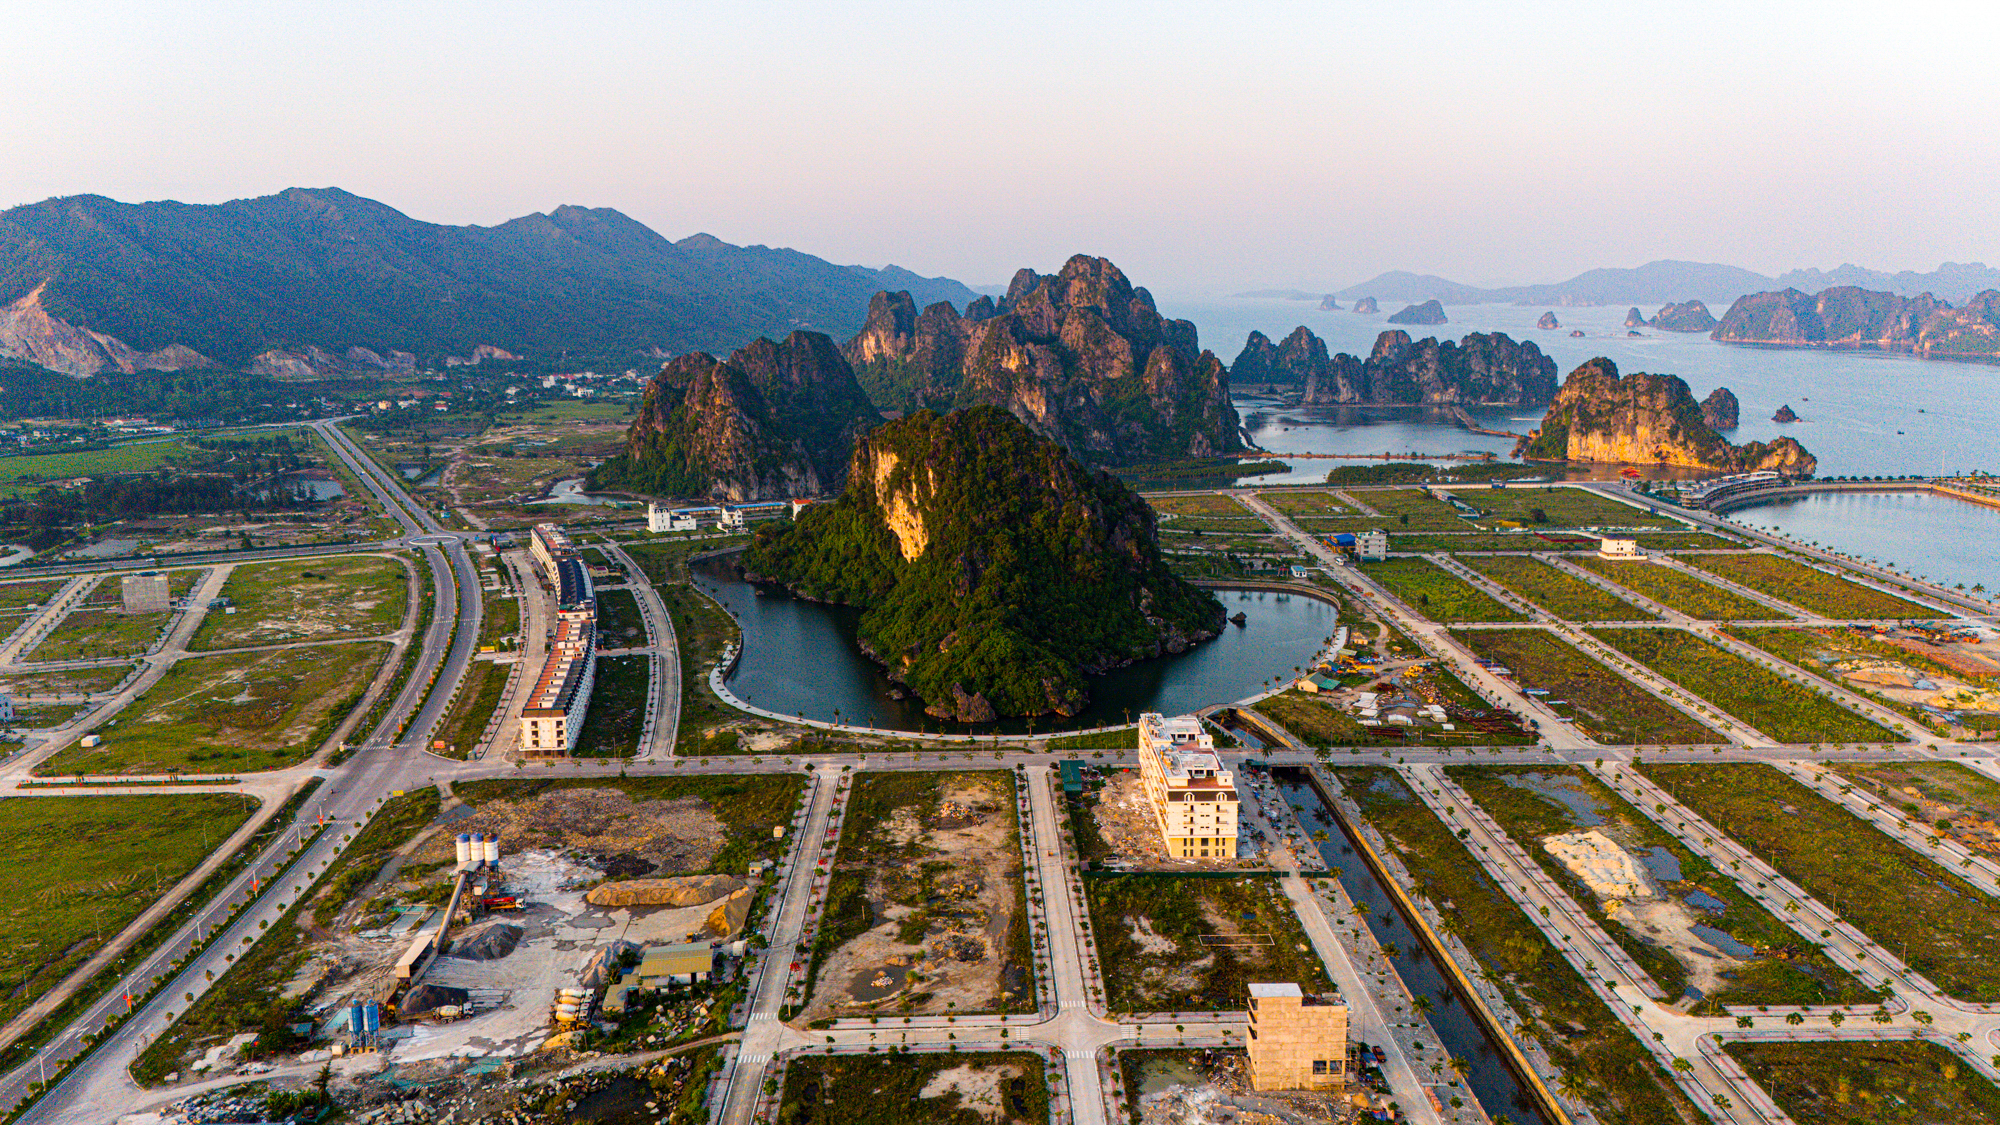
point(1609, 548)
point(1372, 546)
point(1296, 1041)
point(145, 593)
point(660, 518)
point(1193, 797)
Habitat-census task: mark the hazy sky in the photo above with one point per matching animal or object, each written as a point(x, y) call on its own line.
point(1204, 147)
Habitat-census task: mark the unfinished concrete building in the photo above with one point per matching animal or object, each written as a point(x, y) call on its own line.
point(1296, 1042)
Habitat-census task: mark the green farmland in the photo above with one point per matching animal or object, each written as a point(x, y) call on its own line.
point(1779, 708)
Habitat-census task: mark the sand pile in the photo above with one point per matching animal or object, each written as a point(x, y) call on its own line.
point(683, 890)
point(677, 835)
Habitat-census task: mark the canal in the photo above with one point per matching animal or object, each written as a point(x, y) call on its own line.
point(1491, 1077)
point(801, 658)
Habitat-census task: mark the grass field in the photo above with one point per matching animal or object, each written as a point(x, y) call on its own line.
point(1005, 1089)
point(1320, 725)
point(1190, 943)
point(1786, 970)
point(307, 599)
point(1199, 504)
point(1408, 509)
point(617, 708)
point(1623, 1082)
point(77, 870)
point(249, 996)
point(1906, 1082)
point(1907, 902)
point(86, 634)
point(1777, 707)
point(1604, 704)
point(1825, 595)
point(21, 595)
point(1563, 594)
point(66, 682)
point(1435, 592)
point(1564, 507)
point(478, 695)
point(24, 473)
point(1679, 590)
point(239, 712)
point(1306, 503)
point(619, 624)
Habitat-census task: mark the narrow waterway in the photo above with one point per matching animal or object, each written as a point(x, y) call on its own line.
point(1491, 1077)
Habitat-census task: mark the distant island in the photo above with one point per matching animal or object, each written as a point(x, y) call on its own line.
point(1483, 369)
point(1641, 419)
point(1666, 281)
point(1687, 316)
point(1848, 317)
point(1366, 305)
point(1429, 312)
point(993, 570)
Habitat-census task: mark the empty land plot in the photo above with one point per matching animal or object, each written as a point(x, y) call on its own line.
point(16, 596)
point(619, 623)
point(1410, 509)
point(1490, 541)
point(1622, 1080)
point(79, 869)
point(1775, 706)
point(1193, 943)
point(617, 708)
point(307, 600)
point(1904, 1082)
point(1959, 802)
point(1198, 504)
point(68, 681)
point(1560, 507)
point(1321, 725)
point(239, 712)
point(970, 1088)
point(1678, 590)
point(1305, 503)
point(1662, 931)
point(99, 627)
point(1600, 702)
point(926, 913)
point(1559, 592)
point(1945, 928)
point(1827, 595)
point(1435, 592)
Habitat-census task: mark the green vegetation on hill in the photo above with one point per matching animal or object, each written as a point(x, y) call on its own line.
point(993, 569)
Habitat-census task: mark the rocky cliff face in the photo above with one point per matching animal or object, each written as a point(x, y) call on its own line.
point(1688, 316)
point(1548, 321)
point(1367, 305)
point(1720, 409)
point(1082, 357)
point(1481, 369)
point(309, 363)
point(1430, 312)
point(1634, 318)
point(774, 421)
point(29, 332)
point(1785, 414)
point(1848, 317)
point(995, 571)
point(1601, 416)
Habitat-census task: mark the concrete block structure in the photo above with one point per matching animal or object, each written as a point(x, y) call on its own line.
point(1193, 797)
point(1295, 1041)
point(145, 593)
point(1372, 546)
point(1619, 549)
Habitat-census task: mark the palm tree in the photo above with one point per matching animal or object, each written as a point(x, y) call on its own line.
point(1572, 1085)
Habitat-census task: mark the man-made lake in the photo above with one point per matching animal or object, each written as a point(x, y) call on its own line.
point(1861, 413)
point(1947, 540)
point(800, 658)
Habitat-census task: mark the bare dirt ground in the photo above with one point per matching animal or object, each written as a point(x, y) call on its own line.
point(1125, 821)
point(675, 836)
point(1211, 1088)
point(940, 942)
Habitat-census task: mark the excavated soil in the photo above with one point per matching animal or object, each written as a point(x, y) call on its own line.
point(674, 836)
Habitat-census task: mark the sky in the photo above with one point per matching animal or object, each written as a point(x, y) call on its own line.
point(1203, 147)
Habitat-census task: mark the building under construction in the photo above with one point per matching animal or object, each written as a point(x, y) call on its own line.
point(553, 714)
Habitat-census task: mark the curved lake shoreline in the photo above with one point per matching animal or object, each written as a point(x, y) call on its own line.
point(801, 658)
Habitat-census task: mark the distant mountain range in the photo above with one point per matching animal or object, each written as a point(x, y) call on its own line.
point(324, 277)
point(1663, 282)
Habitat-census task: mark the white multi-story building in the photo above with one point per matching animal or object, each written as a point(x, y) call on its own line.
point(1193, 797)
point(1372, 546)
point(661, 518)
point(552, 716)
point(1608, 548)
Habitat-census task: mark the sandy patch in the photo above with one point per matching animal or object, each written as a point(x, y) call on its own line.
point(978, 1088)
